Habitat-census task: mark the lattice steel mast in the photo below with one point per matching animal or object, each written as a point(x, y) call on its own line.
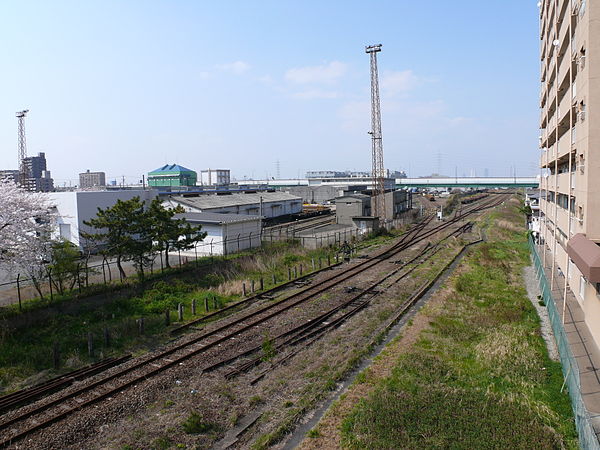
point(378, 170)
point(23, 170)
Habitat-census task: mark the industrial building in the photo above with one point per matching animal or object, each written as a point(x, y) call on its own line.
point(215, 177)
point(354, 208)
point(225, 233)
point(89, 179)
point(75, 207)
point(265, 204)
point(172, 175)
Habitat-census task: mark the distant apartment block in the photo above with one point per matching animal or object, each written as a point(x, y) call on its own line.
point(172, 175)
point(569, 139)
point(10, 175)
point(215, 177)
point(39, 178)
point(89, 179)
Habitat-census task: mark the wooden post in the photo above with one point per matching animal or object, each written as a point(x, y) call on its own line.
point(320, 262)
point(167, 317)
point(243, 289)
point(262, 284)
point(289, 273)
point(300, 269)
point(328, 259)
point(206, 304)
point(103, 272)
point(90, 342)
point(295, 272)
point(252, 286)
point(79, 279)
point(50, 284)
point(180, 312)
point(141, 325)
point(215, 302)
point(312, 261)
point(194, 307)
point(273, 278)
point(56, 355)
point(19, 291)
point(106, 337)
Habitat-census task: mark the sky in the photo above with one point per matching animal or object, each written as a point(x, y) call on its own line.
point(125, 87)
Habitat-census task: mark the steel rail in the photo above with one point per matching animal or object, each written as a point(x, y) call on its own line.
point(202, 347)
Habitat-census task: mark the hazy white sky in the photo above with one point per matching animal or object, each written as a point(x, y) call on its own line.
point(125, 87)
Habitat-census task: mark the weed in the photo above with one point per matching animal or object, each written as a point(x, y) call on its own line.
point(268, 348)
point(161, 443)
point(195, 424)
point(313, 433)
point(254, 401)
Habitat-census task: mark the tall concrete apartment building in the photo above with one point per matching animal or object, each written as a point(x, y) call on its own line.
point(89, 179)
point(570, 148)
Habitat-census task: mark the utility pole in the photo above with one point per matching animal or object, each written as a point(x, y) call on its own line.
point(22, 149)
point(378, 170)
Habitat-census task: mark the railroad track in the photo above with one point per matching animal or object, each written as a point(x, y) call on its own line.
point(26, 396)
point(21, 424)
point(301, 225)
point(315, 328)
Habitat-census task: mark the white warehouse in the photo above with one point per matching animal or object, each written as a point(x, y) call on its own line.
point(225, 233)
point(73, 208)
point(265, 204)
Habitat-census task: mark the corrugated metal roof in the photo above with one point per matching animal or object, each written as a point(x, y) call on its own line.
point(170, 168)
point(223, 201)
point(209, 217)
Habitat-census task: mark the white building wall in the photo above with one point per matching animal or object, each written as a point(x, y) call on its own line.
point(227, 238)
point(76, 207)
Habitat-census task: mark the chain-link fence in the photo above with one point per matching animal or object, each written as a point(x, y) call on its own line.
point(104, 272)
point(587, 436)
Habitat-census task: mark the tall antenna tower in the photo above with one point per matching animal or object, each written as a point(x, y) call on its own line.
point(23, 171)
point(378, 171)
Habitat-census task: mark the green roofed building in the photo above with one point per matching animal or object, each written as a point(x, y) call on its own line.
point(172, 175)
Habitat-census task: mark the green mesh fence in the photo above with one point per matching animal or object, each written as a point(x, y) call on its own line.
point(587, 437)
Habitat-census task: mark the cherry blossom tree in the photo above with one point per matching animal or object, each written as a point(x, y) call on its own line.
point(25, 232)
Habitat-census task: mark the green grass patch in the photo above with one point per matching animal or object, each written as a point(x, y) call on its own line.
point(26, 346)
point(480, 376)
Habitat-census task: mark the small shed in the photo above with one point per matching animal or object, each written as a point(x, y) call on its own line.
point(225, 233)
point(350, 206)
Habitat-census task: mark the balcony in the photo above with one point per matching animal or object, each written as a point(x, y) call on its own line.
point(563, 182)
point(564, 145)
point(562, 219)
